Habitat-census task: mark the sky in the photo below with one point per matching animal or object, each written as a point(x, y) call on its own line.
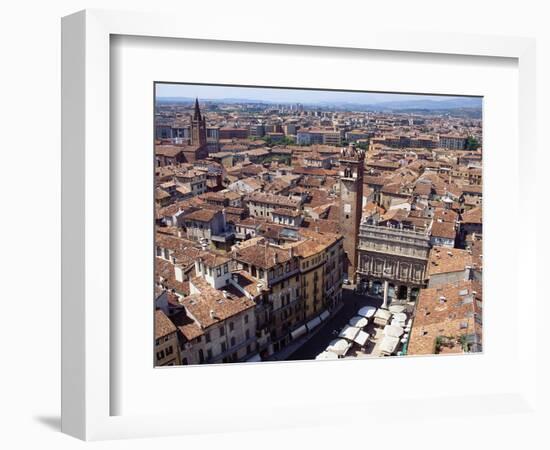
point(209, 92)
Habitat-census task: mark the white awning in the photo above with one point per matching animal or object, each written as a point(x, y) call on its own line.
point(358, 321)
point(339, 346)
point(326, 355)
point(255, 358)
point(383, 314)
point(313, 323)
point(397, 323)
point(397, 309)
point(402, 317)
point(388, 345)
point(361, 338)
point(324, 315)
point(366, 311)
point(298, 332)
point(393, 331)
point(349, 333)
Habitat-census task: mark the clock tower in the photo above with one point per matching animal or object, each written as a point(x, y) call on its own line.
point(352, 161)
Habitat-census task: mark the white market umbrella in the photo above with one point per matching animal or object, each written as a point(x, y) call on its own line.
point(393, 331)
point(401, 317)
point(397, 323)
point(359, 321)
point(339, 346)
point(361, 338)
point(389, 344)
point(349, 333)
point(366, 311)
point(396, 309)
point(326, 355)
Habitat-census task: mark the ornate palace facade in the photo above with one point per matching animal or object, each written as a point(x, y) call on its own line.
point(393, 260)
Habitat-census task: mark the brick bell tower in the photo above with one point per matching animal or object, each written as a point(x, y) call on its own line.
point(351, 203)
point(198, 126)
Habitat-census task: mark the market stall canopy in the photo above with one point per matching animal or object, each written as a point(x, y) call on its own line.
point(366, 311)
point(382, 314)
point(397, 323)
point(349, 333)
point(388, 345)
point(396, 309)
point(361, 338)
point(339, 346)
point(358, 321)
point(298, 332)
point(393, 331)
point(326, 355)
point(402, 317)
point(382, 317)
point(313, 323)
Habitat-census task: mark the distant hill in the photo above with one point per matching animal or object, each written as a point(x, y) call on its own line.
point(445, 104)
point(452, 103)
point(176, 100)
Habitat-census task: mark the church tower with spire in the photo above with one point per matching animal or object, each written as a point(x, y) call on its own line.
point(198, 126)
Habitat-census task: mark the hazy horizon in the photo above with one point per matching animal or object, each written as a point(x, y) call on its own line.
point(286, 95)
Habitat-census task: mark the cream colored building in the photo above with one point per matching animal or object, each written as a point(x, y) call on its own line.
point(166, 341)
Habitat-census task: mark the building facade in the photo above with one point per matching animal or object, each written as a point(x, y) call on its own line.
point(392, 261)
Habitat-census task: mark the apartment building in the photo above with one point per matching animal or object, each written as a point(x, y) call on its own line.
point(166, 341)
point(277, 269)
point(262, 205)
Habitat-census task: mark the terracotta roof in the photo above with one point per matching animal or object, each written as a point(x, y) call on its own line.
point(446, 260)
point(202, 215)
point(187, 326)
point(163, 325)
point(286, 212)
point(273, 199)
point(472, 189)
point(264, 256)
point(446, 312)
point(323, 225)
point(247, 282)
point(170, 151)
point(473, 216)
point(210, 306)
point(211, 259)
point(443, 230)
point(446, 215)
point(161, 194)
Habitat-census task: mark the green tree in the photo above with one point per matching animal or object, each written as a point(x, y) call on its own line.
point(472, 143)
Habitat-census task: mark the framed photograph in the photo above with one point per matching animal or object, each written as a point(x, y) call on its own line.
point(267, 231)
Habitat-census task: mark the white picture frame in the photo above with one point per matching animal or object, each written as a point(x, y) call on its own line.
point(87, 386)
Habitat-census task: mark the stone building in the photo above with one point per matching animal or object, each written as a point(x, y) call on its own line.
point(276, 269)
point(392, 261)
point(166, 342)
point(209, 226)
point(263, 205)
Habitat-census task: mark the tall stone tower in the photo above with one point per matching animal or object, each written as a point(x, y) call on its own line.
point(198, 126)
point(351, 203)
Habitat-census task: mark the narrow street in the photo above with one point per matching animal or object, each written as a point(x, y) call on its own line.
point(352, 303)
